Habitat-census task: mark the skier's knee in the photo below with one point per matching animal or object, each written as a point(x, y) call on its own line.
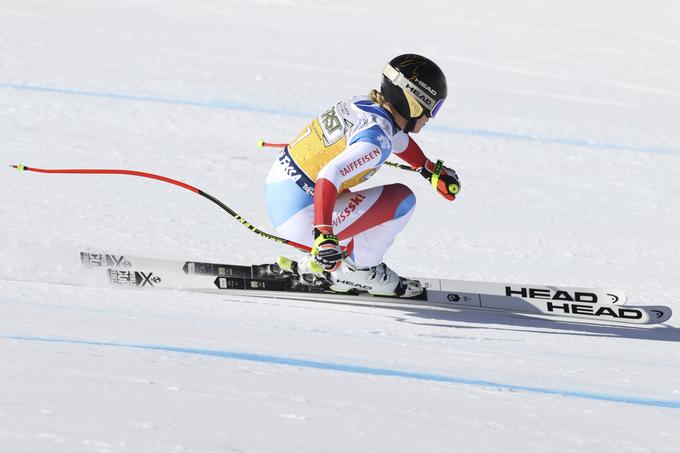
point(404, 197)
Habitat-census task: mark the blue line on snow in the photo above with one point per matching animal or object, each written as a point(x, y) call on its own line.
point(344, 368)
point(259, 109)
point(557, 141)
point(156, 99)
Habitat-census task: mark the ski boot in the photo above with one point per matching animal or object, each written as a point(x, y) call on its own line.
point(378, 280)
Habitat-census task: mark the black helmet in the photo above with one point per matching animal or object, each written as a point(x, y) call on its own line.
point(413, 85)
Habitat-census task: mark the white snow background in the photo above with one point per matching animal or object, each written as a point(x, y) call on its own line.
point(562, 121)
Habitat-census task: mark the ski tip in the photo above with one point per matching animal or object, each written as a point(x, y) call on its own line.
point(20, 167)
point(660, 313)
point(260, 143)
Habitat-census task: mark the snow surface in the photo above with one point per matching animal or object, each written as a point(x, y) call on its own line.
point(562, 123)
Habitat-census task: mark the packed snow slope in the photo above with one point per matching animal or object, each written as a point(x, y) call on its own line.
point(562, 122)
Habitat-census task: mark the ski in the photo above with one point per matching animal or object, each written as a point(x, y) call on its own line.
point(582, 304)
point(502, 290)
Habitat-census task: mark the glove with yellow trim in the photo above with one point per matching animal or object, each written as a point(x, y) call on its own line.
point(326, 250)
point(443, 179)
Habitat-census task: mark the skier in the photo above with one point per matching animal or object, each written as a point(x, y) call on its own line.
point(307, 190)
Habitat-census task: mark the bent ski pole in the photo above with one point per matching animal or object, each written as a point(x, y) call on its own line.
point(142, 174)
point(263, 144)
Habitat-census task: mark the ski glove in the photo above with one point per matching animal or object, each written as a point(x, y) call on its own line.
point(443, 179)
point(326, 250)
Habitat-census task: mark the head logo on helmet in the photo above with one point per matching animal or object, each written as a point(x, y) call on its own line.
point(414, 86)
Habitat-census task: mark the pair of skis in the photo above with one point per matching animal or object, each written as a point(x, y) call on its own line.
point(603, 305)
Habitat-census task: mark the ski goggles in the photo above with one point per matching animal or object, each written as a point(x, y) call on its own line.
point(437, 106)
point(419, 100)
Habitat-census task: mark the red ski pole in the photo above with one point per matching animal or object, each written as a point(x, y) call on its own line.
point(175, 182)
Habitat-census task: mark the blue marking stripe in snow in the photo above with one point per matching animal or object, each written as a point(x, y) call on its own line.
point(226, 105)
point(556, 140)
point(345, 368)
point(157, 99)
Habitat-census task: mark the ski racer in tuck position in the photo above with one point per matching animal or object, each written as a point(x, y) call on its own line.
point(307, 190)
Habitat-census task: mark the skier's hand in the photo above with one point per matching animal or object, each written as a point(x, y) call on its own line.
point(443, 179)
point(326, 250)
